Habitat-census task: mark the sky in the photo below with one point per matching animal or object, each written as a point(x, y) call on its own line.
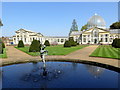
point(53, 18)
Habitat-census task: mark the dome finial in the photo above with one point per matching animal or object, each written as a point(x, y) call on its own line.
point(96, 14)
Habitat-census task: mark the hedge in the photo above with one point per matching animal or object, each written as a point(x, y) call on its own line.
point(47, 43)
point(116, 43)
point(20, 44)
point(35, 46)
point(67, 44)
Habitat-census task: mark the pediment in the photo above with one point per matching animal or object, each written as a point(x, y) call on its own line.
point(92, 29)
point(21, 31)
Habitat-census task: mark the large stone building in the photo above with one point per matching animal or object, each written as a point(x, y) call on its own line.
point(95, 33)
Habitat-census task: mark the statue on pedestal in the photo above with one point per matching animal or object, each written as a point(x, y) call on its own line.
point(43, 52)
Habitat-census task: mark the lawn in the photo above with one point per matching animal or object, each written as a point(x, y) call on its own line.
point(107, 51)
point(53, 50)
point(4, 55)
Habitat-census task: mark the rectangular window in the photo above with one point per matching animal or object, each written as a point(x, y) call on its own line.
point(106, 35)
point(62, 40)
point(84, 35)
point(101, 35)
point(106, 40)
point(101, 39)
point(84, 39)
point(111, 39)
point(25, 39)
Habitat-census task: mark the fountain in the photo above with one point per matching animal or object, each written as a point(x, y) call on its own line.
point(43, 52)
point(57, 75)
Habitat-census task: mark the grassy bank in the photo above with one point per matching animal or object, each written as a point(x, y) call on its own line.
point(4, 55)
point(106, 51)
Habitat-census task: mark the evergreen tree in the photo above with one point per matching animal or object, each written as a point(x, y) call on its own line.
point(74, 26)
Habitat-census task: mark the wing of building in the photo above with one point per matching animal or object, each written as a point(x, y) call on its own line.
point(28, 36)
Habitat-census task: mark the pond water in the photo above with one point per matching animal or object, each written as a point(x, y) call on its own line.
point(58, 75)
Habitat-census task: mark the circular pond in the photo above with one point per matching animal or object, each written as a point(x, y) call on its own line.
point(58, 75)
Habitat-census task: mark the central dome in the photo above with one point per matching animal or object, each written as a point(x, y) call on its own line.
point(96, 21)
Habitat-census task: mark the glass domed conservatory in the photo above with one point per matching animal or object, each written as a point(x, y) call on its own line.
point(96, 21)
point(96, 32)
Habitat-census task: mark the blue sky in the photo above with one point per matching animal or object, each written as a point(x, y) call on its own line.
point(53, 18)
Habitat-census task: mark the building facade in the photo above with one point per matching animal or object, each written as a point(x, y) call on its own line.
point(28, 36)
point(96, 32)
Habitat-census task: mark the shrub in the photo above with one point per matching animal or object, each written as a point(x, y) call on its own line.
point(1, 42)
point(47, 43)
point(1, 48)
point(3, 45)
point(76, 43)
point(35, 46)
point(20, 44)
point(72, 42)
point(39, 44)
point(116, 43)
point(67, 44)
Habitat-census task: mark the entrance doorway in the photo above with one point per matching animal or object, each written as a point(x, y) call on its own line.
point(95, 41)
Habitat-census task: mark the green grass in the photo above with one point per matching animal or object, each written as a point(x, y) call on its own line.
point(106, 51)
point(4, 55)
point(53, 50)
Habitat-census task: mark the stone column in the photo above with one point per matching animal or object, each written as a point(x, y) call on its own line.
point(16, 39)
point(103, 38)
point(23, 38)
point(108, 38)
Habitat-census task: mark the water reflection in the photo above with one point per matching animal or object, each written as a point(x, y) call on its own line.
point(74, 66)
point(41, 73)
point(57, 75)
point(94, 70)
point(0, 77)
